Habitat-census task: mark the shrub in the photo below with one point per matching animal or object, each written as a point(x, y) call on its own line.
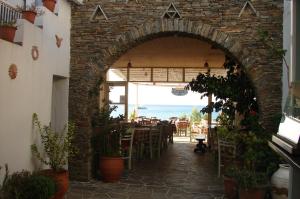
point(38, 187)
point(13, 188)
point(24, 185)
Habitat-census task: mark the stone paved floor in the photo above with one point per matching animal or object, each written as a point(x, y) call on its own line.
point(178, 174)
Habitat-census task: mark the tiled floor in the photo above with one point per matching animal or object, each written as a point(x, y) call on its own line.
point(178, 174)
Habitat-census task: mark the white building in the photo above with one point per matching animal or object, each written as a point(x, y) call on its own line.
point(41, 84)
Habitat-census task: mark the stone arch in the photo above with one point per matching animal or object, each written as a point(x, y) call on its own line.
point(185, 27)
point(255, 65)
point(199, 30)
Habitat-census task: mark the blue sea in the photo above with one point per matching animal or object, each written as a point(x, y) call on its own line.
point(163, 112)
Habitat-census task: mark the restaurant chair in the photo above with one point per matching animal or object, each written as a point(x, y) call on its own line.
point(155, 141)
point(226, 153)
point(182, 127)
point(127, 146)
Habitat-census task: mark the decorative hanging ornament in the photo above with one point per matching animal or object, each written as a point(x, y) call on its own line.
point(58, 41)
point(179, 91)
point(13, 71)
point(34, 53)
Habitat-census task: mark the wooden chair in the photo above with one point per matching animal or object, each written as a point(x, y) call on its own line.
point(127, 146)
point(182, 127)
point(226, 153)
point(155, 141)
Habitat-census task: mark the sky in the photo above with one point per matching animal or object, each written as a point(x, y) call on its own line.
point(156, 95)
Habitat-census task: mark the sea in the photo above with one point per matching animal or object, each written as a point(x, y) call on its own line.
point(163, 112)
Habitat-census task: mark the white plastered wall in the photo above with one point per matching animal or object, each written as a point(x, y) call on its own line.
point(287, 45)
point(31, 91)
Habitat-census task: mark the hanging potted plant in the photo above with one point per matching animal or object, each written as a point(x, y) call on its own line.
point(8, 31)
point(58, 148)
point(29, 12)
point(49, 4)
point(106, 144)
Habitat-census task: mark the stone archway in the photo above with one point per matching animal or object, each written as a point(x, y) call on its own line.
point(88, 63)
point(249, 61)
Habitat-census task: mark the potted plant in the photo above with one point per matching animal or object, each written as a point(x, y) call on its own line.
point(8, 31)
point(49, 4)
point(252, 184)
point(29, 12)
point(106, 143)
point(58, 148)
point(230, 182)
point(26, 185)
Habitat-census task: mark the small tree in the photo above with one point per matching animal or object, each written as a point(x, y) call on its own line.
point(233, 92)
point(196, 115)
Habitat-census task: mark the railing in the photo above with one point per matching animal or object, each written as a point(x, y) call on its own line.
point(8, 13)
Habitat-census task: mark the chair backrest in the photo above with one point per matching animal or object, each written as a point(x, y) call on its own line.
point(226, 149)
point(182, 124)
point(226, 153)
point(156, 135)
point(128, 135)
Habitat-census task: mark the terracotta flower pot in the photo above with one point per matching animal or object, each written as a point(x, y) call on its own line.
point(61, 179)
point(230, 187)
point(7, 33)
point(252, 193)
point(111, 168)
point(49, 4)
point(29, 15)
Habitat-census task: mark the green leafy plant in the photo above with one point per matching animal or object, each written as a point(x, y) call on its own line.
point(13, 187)
point(105, 138)
point(58, 147)
point(106, 142)
point(249, 179)
point(234, 92)
point(9, 23)
point(32, 7)
point(195, 115)
point(24, 185)
point(38, 187)
point(4, 181)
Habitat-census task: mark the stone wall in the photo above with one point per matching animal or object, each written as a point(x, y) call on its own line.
point(99, 43)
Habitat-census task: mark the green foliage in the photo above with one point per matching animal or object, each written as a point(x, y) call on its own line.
point(32, 7)
point(13, 187)
point(232, 172)
point(249, 179)
point(106, 142)
point(24, 185)
point(183, 117)
point(4, 181)
point(57, 146)
point(266, 38)
point(9, 24)
point(233, 92)
point(196, 115)
point(225, 120)
point(38, 187)
point(225, 133)
point(133, 115)
point(95, 90)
